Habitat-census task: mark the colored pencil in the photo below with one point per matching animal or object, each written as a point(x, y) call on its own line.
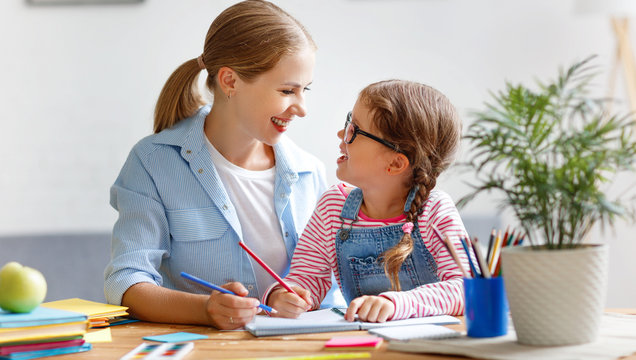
point(451, 248)
point(267, 268)
point(520, 241)
point(506, 237)
point(495, 253)
point(497, 271)
point(470, 260)
point(220, 289)
point(490, 243)
point(335, 356)
point(438, 233)
point(512, 238)
point(480, 259)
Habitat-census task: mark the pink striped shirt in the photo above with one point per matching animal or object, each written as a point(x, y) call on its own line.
point(315, 255)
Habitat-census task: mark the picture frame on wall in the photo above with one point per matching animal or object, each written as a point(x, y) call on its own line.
point(81, 2)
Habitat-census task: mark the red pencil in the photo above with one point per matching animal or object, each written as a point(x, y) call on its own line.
point(267, 268)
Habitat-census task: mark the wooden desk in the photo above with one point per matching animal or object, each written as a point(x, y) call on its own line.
point(240, 344)
point(228, 344)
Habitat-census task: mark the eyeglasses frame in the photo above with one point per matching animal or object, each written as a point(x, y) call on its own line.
point(357, 130)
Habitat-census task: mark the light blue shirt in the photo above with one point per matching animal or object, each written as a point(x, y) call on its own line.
point(175, 215)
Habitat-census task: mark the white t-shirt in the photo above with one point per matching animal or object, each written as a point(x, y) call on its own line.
point(252, 193)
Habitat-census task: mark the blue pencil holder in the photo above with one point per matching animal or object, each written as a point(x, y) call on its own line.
point(486, 307)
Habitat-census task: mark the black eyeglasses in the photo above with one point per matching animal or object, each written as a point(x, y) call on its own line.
point(351, 130)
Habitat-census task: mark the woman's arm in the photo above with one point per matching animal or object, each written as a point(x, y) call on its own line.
point(140, 243)
point(151, 302)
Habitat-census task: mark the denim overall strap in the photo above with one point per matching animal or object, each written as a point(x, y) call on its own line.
point(350, 211)
point(359, 255)
point(410, 197)
point(351, 207)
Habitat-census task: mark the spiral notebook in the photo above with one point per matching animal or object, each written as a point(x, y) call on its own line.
point(424, 331)
point(326, 320)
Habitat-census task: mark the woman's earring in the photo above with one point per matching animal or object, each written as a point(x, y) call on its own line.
point(229, 95)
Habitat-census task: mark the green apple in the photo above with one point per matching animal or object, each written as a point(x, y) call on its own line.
point(22, 288)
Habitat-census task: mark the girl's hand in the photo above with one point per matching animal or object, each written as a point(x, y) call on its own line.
point(370, 309)
point(228, 312)
point(288, 304)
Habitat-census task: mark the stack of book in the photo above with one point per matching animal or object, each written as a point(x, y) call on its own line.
point(99, 315)
point(42, 332)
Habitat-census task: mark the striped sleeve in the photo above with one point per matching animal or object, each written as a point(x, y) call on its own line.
point(447, 295)
point(315, 256)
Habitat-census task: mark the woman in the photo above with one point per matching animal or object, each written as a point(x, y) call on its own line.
point(214, 175)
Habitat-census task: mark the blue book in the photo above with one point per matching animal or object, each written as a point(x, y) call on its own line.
point(39, 316)
point(49, 352)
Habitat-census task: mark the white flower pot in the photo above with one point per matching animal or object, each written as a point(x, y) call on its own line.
point(556, 297)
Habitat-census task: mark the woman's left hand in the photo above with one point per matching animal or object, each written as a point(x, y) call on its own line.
point(370, 308)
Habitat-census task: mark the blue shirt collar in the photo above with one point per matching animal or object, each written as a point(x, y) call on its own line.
point(189, 136)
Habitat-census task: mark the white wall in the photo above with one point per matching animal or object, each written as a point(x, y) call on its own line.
point(78, 86)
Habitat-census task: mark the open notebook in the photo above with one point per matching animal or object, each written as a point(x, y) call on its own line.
point(326, 320)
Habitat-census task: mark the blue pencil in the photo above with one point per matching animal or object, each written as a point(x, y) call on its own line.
point(470, 261)
point(218, 288)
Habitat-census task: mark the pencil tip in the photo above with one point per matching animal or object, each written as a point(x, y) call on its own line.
point(274, 311)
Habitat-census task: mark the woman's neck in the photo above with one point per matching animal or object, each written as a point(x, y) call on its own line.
point(238, 148)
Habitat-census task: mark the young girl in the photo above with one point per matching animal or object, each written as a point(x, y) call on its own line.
point(378, 238)
point(212, 176)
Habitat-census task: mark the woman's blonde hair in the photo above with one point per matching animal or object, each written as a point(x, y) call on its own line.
point(425, 126)
point(249, 37)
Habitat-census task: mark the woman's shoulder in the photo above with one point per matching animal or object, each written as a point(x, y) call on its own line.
point(187, 132)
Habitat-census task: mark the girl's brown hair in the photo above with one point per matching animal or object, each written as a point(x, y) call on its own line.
point(249, 37)
point(425, 126)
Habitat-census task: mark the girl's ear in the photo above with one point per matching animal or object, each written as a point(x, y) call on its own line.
point(398, 164)
point(226, 78)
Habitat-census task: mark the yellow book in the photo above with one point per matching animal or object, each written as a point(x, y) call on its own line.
point(42, 331)
point(91, 309)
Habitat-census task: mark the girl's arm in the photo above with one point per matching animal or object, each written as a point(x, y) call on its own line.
point(313, 257)
point(447, 295)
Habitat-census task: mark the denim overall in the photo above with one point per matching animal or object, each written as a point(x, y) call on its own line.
point(357, 251)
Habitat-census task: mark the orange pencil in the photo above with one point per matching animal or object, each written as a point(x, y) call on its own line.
point(497, 271)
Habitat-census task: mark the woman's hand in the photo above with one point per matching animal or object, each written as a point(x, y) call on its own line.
point(370, 308)
point(229, 312)
point(288, 304)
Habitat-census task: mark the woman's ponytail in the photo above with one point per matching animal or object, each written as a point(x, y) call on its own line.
point(235, 39)
point(180, 96)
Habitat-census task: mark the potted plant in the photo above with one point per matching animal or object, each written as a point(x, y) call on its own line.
point(552, 154)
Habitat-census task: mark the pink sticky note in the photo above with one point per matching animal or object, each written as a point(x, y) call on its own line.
point(354, 342)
